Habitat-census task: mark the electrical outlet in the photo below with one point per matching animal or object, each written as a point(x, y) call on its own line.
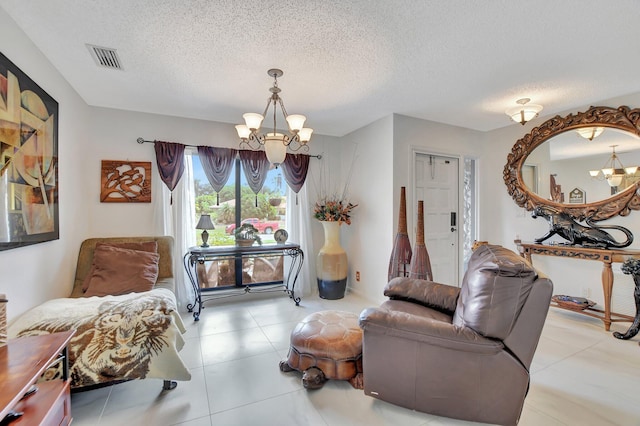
point(586, 292)
point(358, 276)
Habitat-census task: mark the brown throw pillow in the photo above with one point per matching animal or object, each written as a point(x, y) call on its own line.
point(121, 271)
point(150, 246)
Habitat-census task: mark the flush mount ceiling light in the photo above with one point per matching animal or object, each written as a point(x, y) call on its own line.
point(590, 132)
point(524, 111)
point(275, 143)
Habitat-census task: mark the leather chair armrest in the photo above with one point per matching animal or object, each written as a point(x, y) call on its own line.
point(426, 330)
point(429, 293)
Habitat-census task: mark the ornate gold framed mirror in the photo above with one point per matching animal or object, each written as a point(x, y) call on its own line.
point(620, 199)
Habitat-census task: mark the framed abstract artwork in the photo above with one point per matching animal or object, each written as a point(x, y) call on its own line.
point(125, 182)
point(28, 160)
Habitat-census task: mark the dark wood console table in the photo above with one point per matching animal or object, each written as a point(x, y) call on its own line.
point(22, 362)
point(606, 256)
point(199, 255)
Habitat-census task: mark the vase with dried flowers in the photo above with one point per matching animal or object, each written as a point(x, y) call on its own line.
point(331, 263)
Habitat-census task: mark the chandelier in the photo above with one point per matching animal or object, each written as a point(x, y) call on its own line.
point(275, 143)
point(613, 170)
point(524, 111)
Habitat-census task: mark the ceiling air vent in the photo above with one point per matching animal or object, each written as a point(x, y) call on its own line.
point(105, 57)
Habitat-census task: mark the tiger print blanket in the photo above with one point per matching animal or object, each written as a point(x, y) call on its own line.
point(132, 336)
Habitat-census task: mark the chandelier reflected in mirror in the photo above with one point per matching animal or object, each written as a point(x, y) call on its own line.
point(275, 143)
point(590, 133)
point(613, 171)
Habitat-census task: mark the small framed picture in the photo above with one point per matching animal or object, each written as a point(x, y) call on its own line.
point(125, 181)
point(577, 196)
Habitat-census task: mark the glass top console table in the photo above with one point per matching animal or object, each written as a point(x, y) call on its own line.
point(224, 271)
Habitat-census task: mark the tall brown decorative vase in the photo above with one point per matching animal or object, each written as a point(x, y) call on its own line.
point(420, 263)
point(401, 254)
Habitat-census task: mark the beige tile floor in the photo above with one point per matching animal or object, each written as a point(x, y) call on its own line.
point(581, 375)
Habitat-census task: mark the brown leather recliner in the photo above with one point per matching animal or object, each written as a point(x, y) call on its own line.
point(461, 352)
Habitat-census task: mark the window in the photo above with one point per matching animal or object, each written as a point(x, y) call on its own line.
point(266, 211)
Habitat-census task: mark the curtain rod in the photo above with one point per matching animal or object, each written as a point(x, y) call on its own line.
point(141, 141)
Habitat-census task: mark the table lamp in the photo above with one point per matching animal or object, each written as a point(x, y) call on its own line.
point(205, 223)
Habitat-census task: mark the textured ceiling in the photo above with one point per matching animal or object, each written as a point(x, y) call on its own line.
point(346, 62)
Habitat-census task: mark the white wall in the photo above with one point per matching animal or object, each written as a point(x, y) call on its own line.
point(114, 133)
point(367, 241)
point(33, 274)
point(502, 220)
point(414, 135)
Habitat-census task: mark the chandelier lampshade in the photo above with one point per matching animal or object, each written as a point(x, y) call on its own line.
point(296, 122)
point(275, 142)
point(613, 171)
point(275, 148)
point(243, 131)
point(252, 120)
point(305, 134)
point(615, 179)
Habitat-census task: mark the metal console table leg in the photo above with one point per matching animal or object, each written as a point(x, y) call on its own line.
point(189, 266)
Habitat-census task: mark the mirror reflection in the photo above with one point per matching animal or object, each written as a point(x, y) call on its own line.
point(583, 166)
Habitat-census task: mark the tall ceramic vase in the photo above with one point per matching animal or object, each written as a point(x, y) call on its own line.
point(331, 264)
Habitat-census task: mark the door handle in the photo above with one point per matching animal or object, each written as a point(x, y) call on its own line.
point(453, 221)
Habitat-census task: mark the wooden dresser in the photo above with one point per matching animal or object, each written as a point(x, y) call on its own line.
point(22, 362)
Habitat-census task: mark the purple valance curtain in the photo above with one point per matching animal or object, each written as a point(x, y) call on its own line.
point(255, 166)
point(170, 160)
point(217, 164)
point(295, 168)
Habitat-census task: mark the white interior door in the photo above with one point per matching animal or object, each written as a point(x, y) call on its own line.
point(436, 183)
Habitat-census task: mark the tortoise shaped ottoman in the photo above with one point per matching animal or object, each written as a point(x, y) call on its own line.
point(326, 345)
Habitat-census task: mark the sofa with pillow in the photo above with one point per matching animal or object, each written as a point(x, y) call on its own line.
point(124, 311)
point(124, 264)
